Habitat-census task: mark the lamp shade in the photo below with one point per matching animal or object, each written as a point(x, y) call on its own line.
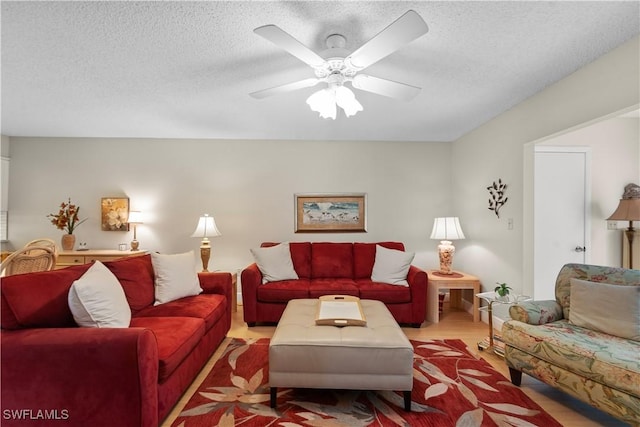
point(628, 210)
point(135, 217)
point(206, 227)
point(447, 228)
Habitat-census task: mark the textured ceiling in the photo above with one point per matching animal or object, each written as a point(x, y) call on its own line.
point(185, 69)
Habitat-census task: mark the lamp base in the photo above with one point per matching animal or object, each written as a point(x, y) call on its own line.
point(205, 254)
point(135, 245)
point(630, 233)
point(445, 253)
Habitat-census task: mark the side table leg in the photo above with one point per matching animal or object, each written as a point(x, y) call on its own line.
point(490, 313)
point(476, 303)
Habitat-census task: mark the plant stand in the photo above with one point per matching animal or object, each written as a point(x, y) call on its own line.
point(494, 341)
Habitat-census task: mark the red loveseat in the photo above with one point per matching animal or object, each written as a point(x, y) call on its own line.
point(55, 373)
point(326, 268)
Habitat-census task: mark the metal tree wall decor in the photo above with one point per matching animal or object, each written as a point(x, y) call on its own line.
point(497, 200)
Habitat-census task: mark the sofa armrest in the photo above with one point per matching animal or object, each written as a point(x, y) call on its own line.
point(251, 278)
point(417, 280)
point(88, 376)
point(216, 283)
point(536, 312)
point(220, 284)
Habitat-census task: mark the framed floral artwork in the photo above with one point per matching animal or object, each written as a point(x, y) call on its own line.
point(115, 213)
point(330, 213)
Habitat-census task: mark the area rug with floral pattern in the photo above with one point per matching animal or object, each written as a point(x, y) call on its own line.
point(451, 387)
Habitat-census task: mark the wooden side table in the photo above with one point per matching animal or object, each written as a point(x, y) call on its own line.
point(234, 296)
point(455, 283)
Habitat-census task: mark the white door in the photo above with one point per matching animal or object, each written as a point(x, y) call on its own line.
point(561, 213)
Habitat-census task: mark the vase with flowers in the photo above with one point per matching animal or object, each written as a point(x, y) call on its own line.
point(67, 219)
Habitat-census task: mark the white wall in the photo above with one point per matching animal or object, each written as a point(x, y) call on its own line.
point(495, 150)
point(248, 186)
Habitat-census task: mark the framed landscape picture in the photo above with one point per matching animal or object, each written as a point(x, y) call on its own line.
point(114, 213)
point(330, 213)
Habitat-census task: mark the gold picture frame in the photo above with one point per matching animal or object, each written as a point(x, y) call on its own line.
point(331, 213)
point(114, 213)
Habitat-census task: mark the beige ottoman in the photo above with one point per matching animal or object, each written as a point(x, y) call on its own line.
point(374, 357)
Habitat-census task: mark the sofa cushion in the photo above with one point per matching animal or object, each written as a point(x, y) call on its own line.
point(388, 294)
point(283, 291)
point(274, 263)
point(136, 277)
point(175, 276)
point(364, 256)
point(320, 287)
point(592, 273)
point(391, 266)
point(176, 338)
point(39, 300)
point(604, 358)
point(614, 309)
point(209, 307)
point(331, 260)
point(97, 300)
point(300, 255)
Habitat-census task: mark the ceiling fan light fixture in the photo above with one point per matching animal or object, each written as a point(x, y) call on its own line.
point(326, 101)
point(346, 99)
point(323, 102)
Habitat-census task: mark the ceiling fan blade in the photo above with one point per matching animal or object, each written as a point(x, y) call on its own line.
point(285, 41)
point(405, 29)
point(285, 88)
point(385, 87)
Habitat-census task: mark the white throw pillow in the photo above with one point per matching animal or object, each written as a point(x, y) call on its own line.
point(391, 266)
point(97, 299)
point(175, 276)
point(613, 309)
point(275, 263)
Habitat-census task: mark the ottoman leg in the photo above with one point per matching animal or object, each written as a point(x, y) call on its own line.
point(407, 400)
point(274, 396)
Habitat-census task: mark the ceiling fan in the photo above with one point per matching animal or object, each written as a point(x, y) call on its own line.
point(338, 67)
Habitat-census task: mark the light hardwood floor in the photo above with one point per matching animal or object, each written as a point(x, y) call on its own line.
point(453, 323)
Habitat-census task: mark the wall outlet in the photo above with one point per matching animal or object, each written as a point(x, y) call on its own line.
point(612, 225)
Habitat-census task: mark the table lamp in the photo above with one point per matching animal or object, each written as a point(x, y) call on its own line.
point(628, 210)
point(135, 218)
point(446, 229)
point(206, 228)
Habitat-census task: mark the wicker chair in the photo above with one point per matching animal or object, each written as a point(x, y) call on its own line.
point(43, 242)
point(29, 260)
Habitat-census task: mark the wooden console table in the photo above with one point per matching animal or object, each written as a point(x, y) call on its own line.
point(69, 258)
point(455, 283)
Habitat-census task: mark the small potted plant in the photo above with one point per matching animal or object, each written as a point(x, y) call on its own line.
point(502, 290)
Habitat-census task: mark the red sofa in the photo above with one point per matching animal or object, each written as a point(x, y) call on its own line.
point(55, 373)
point(326, 268)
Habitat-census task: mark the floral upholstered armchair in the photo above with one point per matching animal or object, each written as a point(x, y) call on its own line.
point(586, 342)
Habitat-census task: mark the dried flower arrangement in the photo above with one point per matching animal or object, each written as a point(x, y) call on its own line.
point(67, 218)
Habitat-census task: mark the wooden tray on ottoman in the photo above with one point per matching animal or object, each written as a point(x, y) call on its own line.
point(340, 310)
